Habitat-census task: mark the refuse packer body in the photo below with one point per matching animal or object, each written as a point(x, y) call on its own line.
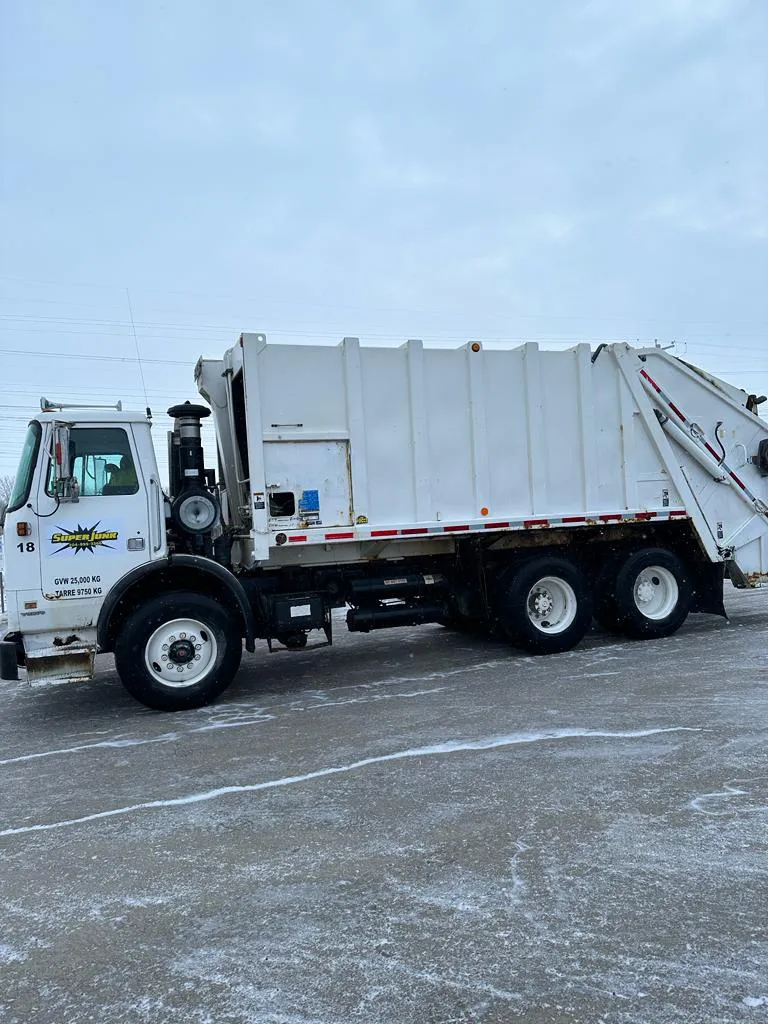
point(515, 492)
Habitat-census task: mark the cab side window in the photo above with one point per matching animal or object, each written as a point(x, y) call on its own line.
point(102, 462)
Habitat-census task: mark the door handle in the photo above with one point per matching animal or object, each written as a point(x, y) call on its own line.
point(157, 501)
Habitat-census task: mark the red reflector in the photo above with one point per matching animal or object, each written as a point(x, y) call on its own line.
point(496, 526)
point(298, 537)
point(339, 536)
point(645, 515)
point(23, 529)
point(676, 411)
point(613, 518)
point(678, 512)
point(573, 519)
point(58, 453)
point(412, 531)
point(455, 529)
point(383, 533)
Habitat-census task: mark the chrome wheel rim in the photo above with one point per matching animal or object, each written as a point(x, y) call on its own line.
point(551, 605)
point(180, 653)
point(655, 592)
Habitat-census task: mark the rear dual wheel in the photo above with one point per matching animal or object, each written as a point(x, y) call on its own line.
point(646, 595)
point(544, 606)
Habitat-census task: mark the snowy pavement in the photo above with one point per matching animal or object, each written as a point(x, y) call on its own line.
point(415, 827)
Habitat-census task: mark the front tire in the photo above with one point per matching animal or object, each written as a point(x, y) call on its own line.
point(544, 606)
point(178, 651)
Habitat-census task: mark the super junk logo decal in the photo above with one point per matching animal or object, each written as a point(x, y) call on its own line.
point(84, 538)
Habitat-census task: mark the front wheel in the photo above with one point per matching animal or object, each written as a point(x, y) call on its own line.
point(544, 606)
point(178, 651)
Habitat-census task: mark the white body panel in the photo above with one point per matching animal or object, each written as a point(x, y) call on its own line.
point(445, 441)
point(74, 552)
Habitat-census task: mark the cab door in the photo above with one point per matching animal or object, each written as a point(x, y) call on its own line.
point(87, 545)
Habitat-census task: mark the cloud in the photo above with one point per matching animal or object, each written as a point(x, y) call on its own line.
point(381, 167)
point(738, 208)
point(225, 114)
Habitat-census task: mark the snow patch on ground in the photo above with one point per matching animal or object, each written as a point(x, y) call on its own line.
point(224, 716)
point(451, 747)
point(11, 955)
point(738, 796)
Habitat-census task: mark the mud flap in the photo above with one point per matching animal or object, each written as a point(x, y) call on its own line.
point(708, 593)
point(8, 663)
point(61, 665)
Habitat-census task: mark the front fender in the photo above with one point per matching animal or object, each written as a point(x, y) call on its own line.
point(167, 570)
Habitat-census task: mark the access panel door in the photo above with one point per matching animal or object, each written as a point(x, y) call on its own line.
point(308, 483)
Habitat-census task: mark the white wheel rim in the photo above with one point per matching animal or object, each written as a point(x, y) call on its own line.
point(180, 653)
point(551, 605)
point(655, 592)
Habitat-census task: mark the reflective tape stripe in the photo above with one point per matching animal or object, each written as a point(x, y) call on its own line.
point(365, 533)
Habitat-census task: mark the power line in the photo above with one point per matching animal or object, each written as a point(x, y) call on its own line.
point(136, 342)
point(132, 326)
point(294, 303)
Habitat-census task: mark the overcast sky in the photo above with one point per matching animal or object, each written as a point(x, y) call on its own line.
point(561, 170)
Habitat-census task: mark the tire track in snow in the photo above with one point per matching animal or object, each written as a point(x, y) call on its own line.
point(229, 719)
point(452, 747)
point(726, 800)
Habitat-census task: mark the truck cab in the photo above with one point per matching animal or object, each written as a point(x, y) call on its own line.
point(67, 547)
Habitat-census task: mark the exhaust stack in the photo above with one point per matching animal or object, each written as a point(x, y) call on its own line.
point(194, 508)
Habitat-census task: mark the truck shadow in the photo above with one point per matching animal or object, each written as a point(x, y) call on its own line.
point(421, 655)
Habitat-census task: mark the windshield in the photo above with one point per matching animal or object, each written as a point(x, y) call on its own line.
point(26, 469)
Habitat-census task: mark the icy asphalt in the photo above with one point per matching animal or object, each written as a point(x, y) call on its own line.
point(415, 827)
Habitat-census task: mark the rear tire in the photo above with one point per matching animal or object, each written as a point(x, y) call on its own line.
point(178, 651)
point(652, 594)
point(544, 606)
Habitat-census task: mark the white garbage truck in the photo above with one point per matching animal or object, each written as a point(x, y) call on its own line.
point(515, 491)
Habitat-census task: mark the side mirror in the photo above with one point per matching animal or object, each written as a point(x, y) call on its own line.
point(65, 487)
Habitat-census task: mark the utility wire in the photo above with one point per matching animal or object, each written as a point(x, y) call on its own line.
point(294, 303)
point(136, 342)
